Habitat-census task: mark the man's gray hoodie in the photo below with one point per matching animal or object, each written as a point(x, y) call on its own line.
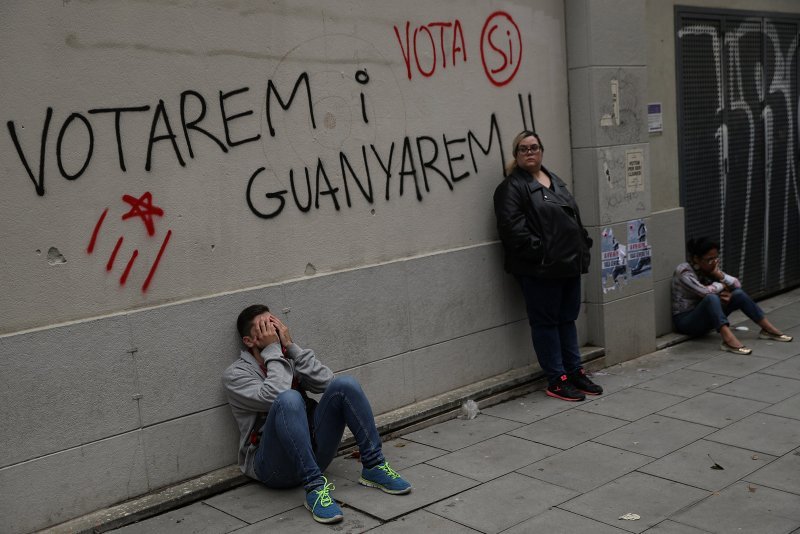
point(251, 394)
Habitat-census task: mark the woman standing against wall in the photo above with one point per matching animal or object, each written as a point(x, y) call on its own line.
point(547, 250)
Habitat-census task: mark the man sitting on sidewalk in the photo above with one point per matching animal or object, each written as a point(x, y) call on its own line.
point(284, 441)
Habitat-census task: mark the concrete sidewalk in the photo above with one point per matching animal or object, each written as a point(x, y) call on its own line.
point(689, 438)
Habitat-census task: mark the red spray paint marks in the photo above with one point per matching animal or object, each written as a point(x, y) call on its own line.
point(429, 46)
point(144, 208)
point(424, 41)
point(501, 48)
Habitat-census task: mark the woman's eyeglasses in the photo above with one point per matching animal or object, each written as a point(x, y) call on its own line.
point(533, 149)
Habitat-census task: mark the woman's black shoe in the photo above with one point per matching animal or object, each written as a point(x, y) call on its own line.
point(564, 390)
point(583, 383)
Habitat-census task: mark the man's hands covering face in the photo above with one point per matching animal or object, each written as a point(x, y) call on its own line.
point(263, 332)
point(282, 330)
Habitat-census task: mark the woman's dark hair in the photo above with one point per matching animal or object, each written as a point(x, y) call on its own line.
point(245, 320)
point(700, 246)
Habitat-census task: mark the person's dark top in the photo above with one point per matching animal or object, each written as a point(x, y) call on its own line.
point(540, 227)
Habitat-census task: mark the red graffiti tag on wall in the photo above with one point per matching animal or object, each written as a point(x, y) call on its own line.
point(429, 46)
point(501, 48)
point(139, 207)
point(423, 42)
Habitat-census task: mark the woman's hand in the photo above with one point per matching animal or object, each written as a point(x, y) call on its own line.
point(725, 296)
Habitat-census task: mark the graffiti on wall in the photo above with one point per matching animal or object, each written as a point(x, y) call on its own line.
point(351, 174)
point(143, 208)
point(500, 47)
point(740, 142)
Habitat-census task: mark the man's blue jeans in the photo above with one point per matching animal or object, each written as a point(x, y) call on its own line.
point(711, 312)
point(286, 458)
point(553, 306)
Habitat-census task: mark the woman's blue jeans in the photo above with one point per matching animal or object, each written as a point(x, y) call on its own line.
point(553, 306)
point(286, 457)
point(711, 312)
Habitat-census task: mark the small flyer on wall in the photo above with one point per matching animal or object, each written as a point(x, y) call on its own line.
point(614, 267)
point(639, 259)
point(622, 264)
point(655, 118)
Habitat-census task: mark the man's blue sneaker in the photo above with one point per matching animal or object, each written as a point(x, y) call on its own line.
point(385, 478)
point(321, 504)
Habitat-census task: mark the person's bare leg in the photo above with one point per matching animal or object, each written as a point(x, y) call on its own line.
point(768, 327)
point(728, 337)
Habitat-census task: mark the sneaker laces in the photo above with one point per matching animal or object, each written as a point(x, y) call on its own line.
point(324, 494)
point(386, 468)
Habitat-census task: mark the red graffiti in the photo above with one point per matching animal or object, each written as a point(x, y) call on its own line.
point(113, 257)
point(501, 48)
point(155, 263)
point(140, 207)
point(97, 226)
point(424, 42)
point(143, 207)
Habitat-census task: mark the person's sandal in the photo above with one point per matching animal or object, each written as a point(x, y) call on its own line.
point(744, 351)
point(774, 337)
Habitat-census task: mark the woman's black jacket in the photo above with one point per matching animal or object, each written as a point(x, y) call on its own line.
point(540, 228)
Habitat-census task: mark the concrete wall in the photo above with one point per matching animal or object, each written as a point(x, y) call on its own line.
point(154, 185)
point(608, 83)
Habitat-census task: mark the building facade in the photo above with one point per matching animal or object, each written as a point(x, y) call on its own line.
point(165, 165)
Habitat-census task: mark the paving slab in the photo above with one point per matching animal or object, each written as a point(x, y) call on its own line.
point(197, 518)
point(253, 502)
point(459, 433)
point(654, 435)
point(695, 464)
point(560, 521)
point(502, 503)
point(631, 404)
point(777, 350)
point(782, 474)
point(653, 499)
point(744, 507)
point(732, 364)
point(788, 408)
point(788, 368)
point(422, 521)
point(691, 352)
point(586, 466)
point(567, 429)
point(786, 317)
point(761, 432)
point(713, 409)
point(430, 484)
point(528, 408)
point(299, 521)
point(671, 527)
point(649, 366)
point(612, 383)
point(400, 453)
point(761, 387)
point(494, 457)
point(685, 382)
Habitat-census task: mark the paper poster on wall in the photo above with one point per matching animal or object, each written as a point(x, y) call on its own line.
point(614, 267)
point(639, 259)
point(634, 171)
